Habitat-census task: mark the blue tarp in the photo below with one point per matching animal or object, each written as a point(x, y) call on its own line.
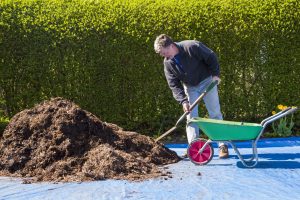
point(277, 176)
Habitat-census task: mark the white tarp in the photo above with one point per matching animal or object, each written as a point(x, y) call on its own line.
point(277, 176)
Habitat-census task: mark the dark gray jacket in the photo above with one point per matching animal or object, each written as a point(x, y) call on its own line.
point(197, 62)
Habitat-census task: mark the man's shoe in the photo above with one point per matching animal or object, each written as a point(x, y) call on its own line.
point(223, 151)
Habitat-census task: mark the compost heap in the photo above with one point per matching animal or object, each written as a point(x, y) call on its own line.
point(58, 141)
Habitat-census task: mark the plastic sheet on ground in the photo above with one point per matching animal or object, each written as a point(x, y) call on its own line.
point(277, 176)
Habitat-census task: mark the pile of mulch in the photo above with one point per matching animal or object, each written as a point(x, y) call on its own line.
point(58, 141)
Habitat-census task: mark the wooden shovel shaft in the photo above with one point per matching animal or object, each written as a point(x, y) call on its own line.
point(181, 118)
point(187, 112)
point(166, 133)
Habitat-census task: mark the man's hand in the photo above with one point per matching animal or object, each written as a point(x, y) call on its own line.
point(186, 106)
point(216, 78)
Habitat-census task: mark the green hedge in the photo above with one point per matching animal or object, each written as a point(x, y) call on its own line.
point(3, 123)
point(100, 54)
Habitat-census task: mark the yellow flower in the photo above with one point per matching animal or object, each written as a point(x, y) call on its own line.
point(280, 107)
point(273, 112)
point(284, 107)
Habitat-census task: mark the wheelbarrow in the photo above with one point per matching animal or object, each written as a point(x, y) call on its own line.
point(200, 151)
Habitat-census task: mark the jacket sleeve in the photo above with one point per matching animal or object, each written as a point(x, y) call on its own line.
point(175, 85)
point(207, 56)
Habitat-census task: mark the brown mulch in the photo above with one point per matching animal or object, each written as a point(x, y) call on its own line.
point(58, 141)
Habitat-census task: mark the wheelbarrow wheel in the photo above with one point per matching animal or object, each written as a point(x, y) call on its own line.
point(200, 158)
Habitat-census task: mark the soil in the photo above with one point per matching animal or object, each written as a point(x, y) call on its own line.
point(58, 141)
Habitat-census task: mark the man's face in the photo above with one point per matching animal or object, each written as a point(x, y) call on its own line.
point(168, 52)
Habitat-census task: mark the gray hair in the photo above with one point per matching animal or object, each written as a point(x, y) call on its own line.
point(162, 41)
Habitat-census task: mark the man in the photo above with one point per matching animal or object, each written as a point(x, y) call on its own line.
point(189, 68)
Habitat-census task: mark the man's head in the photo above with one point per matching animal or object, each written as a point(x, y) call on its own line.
point(165, 46)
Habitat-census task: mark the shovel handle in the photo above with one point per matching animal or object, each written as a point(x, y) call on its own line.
point(211, 85)
point(165, 134)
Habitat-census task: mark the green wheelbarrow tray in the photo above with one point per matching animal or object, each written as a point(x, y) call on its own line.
point(200, 151)
point(227, 130)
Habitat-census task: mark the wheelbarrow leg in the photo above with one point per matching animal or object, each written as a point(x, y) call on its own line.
point(254, 152)
point(247, 163)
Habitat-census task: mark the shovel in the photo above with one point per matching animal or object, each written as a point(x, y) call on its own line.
point(211, 85)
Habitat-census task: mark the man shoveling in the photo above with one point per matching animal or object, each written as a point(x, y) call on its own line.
point(190, 67)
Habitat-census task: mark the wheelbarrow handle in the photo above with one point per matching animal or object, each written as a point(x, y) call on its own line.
point(279, 115)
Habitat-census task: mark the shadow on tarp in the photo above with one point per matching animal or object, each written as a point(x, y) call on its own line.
point(272, 156)
point(280, 156)
point(272, 165)
point(275, 160)
point(262, 143)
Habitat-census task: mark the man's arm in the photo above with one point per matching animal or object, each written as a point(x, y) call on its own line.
point(175, 85)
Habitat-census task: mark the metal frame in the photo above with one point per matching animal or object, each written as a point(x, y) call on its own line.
point(249, 162)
